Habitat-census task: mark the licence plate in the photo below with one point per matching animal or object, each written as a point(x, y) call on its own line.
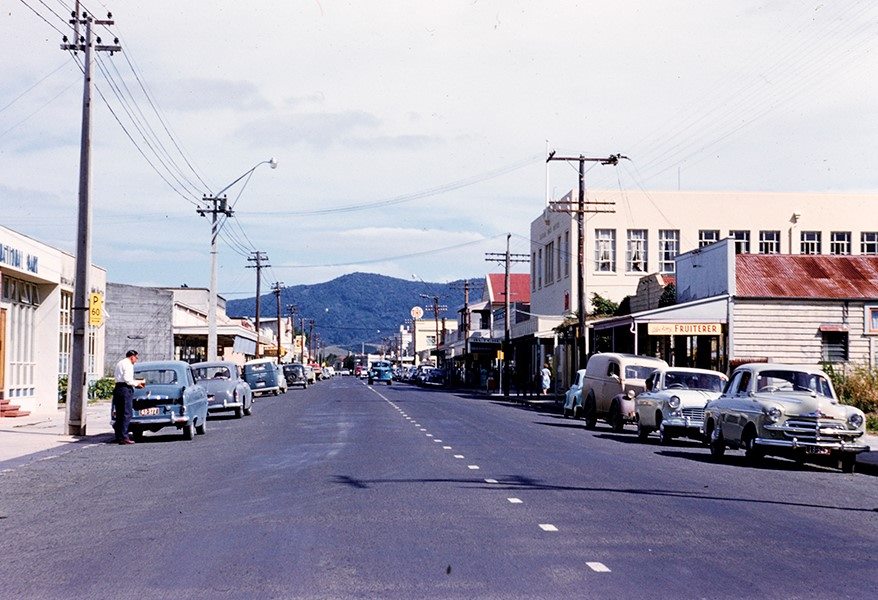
point(260, 384)
point(149, 411)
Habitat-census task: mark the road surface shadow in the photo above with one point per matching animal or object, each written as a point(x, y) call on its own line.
point(518, 482)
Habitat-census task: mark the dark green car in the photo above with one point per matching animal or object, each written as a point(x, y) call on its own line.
point(381, 371)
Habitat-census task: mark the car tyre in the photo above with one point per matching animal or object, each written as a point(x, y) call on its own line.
point(201, 428)
point(616, 422)
point(239, 412)
point(665, 437)
point(590, 413)
point(642, 432)
point(189, 431)
point(248, 408)
point(717, 443)
point(848, 462)
point(137, 435)
point(753, 453)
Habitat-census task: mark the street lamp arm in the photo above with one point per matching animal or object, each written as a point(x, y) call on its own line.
point(271, 161)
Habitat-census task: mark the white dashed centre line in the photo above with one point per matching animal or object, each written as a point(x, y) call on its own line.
point(491, 481)
point(598, 567)
point(548, 527)
point(438, 441)
point(473, 467)
point(514, 500)
point(458, 456)
point(446, 447)
point(423, 429)
point(429, 435)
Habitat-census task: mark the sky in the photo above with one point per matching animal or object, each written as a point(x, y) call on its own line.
point(411, 137)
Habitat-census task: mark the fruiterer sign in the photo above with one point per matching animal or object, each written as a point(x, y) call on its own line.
point(684, 328)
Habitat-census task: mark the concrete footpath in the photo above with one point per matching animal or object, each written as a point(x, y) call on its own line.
point(36, 434)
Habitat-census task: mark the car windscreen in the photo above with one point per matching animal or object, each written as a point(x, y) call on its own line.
point(694, 381)
point(157, 376)
point(637, 371)
point(220, 372)
point(796, 381)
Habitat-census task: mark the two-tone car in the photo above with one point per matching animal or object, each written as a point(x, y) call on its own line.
point(784, 410)
point(226, 388)
point(381, 371)
point(674, 400)
point(170, 397)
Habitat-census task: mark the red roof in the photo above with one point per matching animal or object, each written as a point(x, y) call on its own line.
point(519, 288)
point(806, 276)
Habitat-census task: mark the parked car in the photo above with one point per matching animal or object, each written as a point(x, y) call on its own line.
point(784, 410)
point(170, 397)
point(263, 376)
point(226, 388)
point(609, 386)
point(673, 403)
point(436, 377)
point(573, 395)
point(381, 371)
point(310, 375)
point(295, 375)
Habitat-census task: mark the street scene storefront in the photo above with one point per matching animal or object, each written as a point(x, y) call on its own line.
point(36, 315)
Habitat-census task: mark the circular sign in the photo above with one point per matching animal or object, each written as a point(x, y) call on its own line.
point(417, 312)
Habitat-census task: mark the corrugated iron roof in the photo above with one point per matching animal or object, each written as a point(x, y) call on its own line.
point(519, 287)
point(806, 276)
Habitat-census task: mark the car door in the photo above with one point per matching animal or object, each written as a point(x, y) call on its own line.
point(611, 386)
point(738, 405)
point(645, 402)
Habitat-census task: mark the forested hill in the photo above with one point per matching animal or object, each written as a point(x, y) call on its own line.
point(360, 307)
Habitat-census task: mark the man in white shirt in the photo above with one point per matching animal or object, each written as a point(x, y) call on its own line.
point(123, 396)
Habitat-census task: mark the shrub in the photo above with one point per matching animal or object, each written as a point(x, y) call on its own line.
point(62, 390)
point(857, 386)
point(102, 388)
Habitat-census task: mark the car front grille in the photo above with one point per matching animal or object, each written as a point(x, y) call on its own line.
point(695, 414)
point(810, 429)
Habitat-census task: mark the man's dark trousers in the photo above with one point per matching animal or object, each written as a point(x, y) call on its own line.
point(123, 405)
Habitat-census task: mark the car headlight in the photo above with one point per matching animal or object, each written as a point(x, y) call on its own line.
point(674, 402)
point(855, 420)
point(773, 414)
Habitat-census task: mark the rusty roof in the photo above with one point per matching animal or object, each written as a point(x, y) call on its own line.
point(806, 276)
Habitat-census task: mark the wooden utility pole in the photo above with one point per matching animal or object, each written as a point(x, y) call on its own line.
point(278, 286)
point(581, 208)
point(507, 258)
point(258, 257)
point(78, 377)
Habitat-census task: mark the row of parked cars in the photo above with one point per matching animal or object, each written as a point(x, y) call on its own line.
point(181, 395)
point(764, 408)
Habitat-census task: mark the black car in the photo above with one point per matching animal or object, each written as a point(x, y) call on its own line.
point(295, 375)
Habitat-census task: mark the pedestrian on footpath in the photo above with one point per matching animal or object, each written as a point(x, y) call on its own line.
point(546, 375)
point(123, 396)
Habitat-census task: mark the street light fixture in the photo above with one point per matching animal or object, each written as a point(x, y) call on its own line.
point(220, 205)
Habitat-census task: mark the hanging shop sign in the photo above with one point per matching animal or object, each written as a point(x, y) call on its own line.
point(684, 328)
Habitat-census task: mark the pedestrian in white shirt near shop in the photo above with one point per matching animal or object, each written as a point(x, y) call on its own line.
point(123, 396)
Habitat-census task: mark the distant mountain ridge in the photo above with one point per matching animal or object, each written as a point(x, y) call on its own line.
point(359, 308)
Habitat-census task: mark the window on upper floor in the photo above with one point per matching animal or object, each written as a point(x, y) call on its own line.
point(533, 271)
point(558, 252)
point(540, 268)
point(869, 242)
point(566, 239)
point(669, 248)
point(605, 250)
point(769, 242)
point(742, 240)
point(707, 237)
point(636, 259)
point(550, 263)
point(840, 242)
point(810, 243)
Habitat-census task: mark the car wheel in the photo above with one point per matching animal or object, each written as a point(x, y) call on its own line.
point(590, 413)
point(248, 408)
point(665, 437)
point(137, 435)
point(276, 392)
point(642, 432)
point(201, 428)
point(848, 462)
point(752, 452)
point(389, 382)
point(189, 431)
point(565, 412)
point(717, 443)
point(616, 422)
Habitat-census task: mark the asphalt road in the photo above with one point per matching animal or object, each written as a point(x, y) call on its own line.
point(347, 491)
